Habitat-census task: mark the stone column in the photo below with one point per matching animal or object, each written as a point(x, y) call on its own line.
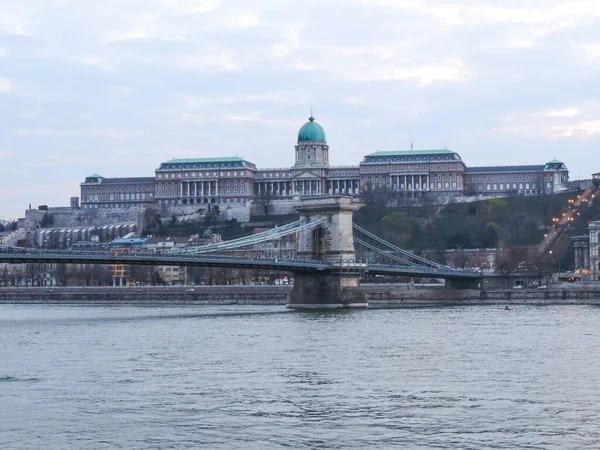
point(586, 259)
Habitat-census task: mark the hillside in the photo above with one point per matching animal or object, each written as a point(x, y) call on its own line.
point(500, 222)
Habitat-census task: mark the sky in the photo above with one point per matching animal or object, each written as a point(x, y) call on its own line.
point(116, 87)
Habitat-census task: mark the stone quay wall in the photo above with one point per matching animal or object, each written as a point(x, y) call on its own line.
point(378, 296)
point(164, 296)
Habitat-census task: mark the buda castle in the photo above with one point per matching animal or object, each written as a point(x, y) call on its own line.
point(235, 181)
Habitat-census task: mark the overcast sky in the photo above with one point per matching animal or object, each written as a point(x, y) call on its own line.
point(119, 86)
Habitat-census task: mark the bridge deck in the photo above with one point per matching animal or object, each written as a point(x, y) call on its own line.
point(23, 256)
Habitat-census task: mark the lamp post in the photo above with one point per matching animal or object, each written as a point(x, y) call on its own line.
point(557, 264)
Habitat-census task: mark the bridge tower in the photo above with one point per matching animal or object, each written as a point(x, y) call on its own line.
point(333, 242)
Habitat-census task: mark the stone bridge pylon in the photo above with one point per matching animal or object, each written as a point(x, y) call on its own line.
point(331, 241)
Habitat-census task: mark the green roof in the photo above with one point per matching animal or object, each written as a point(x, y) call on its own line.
point(206, 163)
point(412, 153)
point(555, 165)
point(311, 131)
point(203, 160)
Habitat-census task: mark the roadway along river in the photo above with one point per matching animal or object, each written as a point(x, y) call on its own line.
point(262, 378)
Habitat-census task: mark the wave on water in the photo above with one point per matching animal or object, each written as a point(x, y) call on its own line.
point(7, 378)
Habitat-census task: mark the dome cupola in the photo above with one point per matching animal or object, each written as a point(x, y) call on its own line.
point(311, 131)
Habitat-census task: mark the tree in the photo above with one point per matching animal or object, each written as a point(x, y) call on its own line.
point(47, 221)
point(264, 199)
point(150, 220)
point(497, 209)
point(396, 228)
point(490, 238)
point(61, 275)
point(195, 275)
point(460, 260)
point(4, 277)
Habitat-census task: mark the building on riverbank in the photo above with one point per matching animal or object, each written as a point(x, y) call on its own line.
point(235, 181)
point(587, 251)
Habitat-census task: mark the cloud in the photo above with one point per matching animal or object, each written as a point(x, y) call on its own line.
point(282, 97)
point(451, 71)
point(6, 86)
point(579, 122)
point(211, 60)
point(6, 154)
point(111, 134)
point(215, 78)
point(582, 130)
point(18, 22)
point(191, 6)
point(567, 112)
point(241, 19)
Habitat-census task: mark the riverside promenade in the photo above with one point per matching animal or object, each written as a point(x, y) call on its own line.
point(379, 295)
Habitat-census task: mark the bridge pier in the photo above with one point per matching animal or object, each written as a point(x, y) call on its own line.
point(332, 242)
point(314, 291)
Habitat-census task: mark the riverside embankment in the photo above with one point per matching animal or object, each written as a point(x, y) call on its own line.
point(379, 296)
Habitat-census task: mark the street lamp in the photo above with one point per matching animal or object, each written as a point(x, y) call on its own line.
point(557, 264)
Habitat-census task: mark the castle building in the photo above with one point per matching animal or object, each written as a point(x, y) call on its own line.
point(548, 178)
point(100, 192)
point(236, 181)
point(414, 172)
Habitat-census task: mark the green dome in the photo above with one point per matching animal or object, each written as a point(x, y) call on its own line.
point(311, 131)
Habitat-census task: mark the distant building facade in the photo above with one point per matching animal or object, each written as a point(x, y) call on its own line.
point(548, 178)
point(587, 251)
point(100, 192)
point(236, 181)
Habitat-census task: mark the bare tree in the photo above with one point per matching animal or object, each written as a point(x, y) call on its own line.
point(264, 199)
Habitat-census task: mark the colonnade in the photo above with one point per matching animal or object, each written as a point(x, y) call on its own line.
point(274, 188)
point(582, 256)
point(343, 186)
point(199, 188)
point(410, 182)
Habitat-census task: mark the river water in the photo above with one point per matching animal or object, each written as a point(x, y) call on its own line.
point(261, 377)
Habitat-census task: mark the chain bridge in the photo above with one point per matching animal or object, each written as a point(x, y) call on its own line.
point(326, 270)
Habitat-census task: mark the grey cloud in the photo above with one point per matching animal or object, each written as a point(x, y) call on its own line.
point(149, 80)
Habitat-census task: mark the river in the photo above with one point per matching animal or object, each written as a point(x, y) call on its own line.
point(262, 377)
